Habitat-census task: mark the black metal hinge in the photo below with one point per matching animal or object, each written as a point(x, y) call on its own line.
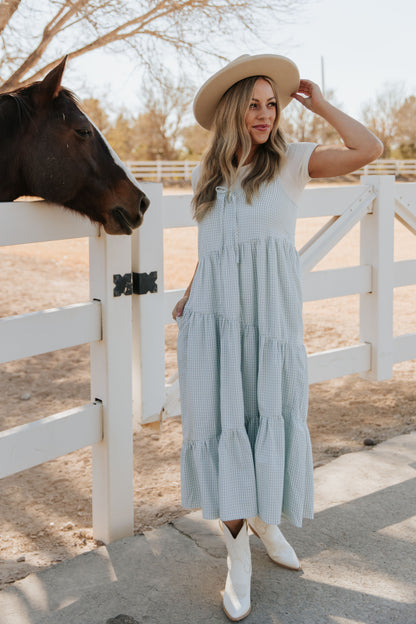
point(123, 284)
point(135, 283)
point(144, 283)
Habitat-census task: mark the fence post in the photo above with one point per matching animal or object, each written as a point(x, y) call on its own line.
point(376, 249)
point(148, 313)
point(159, 170)
point(187, 173)
point(111, 383)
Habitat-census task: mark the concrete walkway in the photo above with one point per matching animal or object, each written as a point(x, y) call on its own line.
point(358, 557)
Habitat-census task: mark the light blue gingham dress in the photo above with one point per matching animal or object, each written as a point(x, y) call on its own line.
point(241, 358)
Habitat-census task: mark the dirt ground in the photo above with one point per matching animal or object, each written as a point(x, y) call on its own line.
point(45, 512)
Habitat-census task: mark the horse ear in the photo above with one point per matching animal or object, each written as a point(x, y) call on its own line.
point(50, 86)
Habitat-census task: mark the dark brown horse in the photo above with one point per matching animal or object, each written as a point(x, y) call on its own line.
point(49, 148)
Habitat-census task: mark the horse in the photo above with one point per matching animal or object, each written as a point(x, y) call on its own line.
point(51, 149)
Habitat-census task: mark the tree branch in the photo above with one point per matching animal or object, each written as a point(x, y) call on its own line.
point(182, 24)
point(7, 8)
point(52, 28)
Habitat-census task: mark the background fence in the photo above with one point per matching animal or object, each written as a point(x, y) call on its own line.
point(180, 170)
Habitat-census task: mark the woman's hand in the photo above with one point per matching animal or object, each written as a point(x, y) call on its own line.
point(359, 147)
point(179, 307)
point(311, 97)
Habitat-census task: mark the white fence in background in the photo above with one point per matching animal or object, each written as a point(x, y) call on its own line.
point(384, 166)
point(375, 203)
point(180, 170)
point(159, 170)
point(126, 333)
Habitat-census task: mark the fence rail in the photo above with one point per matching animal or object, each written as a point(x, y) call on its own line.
point(159, 170)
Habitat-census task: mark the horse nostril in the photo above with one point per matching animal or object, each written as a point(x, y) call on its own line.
point(144, 204)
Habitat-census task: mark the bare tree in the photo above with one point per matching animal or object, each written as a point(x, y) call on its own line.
point(7, 8)
point(381, 116)
point(157, 131)
point(194, 141)
point(406, 129)
point(95, 111)
point(35, 35)
point(123, 139)
point(299, 124)
point(167, 102)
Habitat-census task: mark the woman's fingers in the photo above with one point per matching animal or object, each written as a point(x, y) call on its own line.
point(309, 94)
point(303, 99)
point(179, 307)
point(175, 312)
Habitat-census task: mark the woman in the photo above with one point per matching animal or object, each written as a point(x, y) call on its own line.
point(246, 455)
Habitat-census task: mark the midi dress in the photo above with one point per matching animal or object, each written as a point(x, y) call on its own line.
point(241, 359)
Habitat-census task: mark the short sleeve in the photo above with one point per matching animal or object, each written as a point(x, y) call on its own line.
point(294, 173)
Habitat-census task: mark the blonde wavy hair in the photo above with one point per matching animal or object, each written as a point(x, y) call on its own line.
point(229, 135)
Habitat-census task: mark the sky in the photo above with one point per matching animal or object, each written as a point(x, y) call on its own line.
point(365, 46)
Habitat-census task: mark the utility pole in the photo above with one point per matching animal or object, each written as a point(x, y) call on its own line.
point(323, 75)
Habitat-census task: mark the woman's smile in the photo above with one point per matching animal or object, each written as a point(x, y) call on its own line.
point(262, 128)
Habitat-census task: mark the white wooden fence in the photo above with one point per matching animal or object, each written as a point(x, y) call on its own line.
point(159, 170)
point(126, 333)
point(105, 323)
point(383, 166)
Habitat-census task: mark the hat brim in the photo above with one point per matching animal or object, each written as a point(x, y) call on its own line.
point(280, 69)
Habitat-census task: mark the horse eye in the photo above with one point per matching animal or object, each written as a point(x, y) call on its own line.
point(83, 132)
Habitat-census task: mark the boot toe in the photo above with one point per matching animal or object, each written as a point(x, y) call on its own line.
point(278, 548)
point(286, 559)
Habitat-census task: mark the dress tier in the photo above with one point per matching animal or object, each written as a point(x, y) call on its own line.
point(242, 362)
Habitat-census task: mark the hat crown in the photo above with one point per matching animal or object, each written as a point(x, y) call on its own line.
point(280, 69)
point(239, 59)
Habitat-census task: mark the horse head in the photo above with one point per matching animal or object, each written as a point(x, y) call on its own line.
point(51, 149)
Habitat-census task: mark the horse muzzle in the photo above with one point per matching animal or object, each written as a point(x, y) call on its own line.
point(123, 221)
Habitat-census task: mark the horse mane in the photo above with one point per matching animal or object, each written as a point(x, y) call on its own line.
point(69, 95)
point(24, 106)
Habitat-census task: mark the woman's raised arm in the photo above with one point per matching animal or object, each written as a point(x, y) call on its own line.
point(360, 145)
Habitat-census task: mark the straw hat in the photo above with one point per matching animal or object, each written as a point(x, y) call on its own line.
point(280, 69)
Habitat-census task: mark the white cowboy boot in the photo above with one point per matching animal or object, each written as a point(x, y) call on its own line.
point(278, 549)
point(236, 601)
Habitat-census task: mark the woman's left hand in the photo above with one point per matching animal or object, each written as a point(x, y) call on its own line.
point(310, 95)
